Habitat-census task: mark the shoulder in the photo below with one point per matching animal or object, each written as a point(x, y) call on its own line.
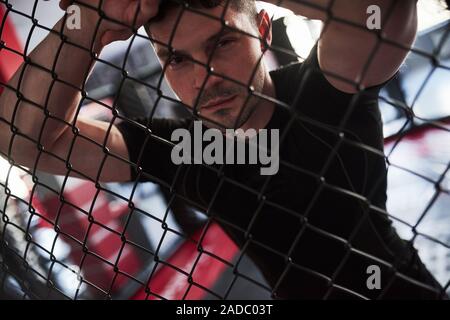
point(305, 88)
point(304, 80)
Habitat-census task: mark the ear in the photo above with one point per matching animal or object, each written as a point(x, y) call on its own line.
point(265, 29)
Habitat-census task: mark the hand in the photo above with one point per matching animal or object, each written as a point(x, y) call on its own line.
point(131, 13)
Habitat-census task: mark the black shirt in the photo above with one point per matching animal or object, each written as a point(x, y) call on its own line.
point(316, 226)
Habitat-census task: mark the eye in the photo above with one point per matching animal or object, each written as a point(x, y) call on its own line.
point(225, 43)
point(175, 61)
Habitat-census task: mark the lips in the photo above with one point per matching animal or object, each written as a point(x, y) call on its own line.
point(216, 103)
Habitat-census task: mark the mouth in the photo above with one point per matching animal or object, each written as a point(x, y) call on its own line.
point(219, 103)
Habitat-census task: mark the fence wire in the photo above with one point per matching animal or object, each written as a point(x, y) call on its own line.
point(285, 240)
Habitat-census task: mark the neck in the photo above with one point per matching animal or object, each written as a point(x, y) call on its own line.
point(263, 112)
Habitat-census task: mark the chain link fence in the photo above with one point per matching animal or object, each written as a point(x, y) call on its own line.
point(319, 228)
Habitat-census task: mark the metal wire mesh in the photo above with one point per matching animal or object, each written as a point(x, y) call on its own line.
point(29, 269)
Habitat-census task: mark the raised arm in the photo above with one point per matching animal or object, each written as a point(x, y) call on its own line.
point(60, 97)
point(352, 55)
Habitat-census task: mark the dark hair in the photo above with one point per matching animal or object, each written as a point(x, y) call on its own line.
point(246, 6)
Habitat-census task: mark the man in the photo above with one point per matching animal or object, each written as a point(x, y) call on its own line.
point(319, 224)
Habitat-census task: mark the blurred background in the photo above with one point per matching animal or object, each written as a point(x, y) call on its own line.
point(37, 261)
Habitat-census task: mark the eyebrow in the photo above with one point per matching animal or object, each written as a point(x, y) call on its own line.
point(163, 53)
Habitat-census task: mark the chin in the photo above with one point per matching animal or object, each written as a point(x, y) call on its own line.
point(225, 118)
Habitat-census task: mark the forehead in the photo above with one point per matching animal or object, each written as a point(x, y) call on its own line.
point(188, 28)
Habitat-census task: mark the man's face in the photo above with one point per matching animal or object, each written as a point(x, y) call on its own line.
point(234, 55)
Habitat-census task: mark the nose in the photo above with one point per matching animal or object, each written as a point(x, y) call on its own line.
point(204, 73)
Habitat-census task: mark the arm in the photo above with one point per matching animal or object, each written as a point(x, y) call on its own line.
point(72, 66)
point(346, 44)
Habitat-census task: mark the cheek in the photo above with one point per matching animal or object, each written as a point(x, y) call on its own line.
point(181, 85)
point(238, 67)
point(248, 61)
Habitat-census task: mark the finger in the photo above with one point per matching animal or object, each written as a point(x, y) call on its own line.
point(111, 36)
point(148, 9)
point(132, 14)
point(64, 4)
point(140, 12)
